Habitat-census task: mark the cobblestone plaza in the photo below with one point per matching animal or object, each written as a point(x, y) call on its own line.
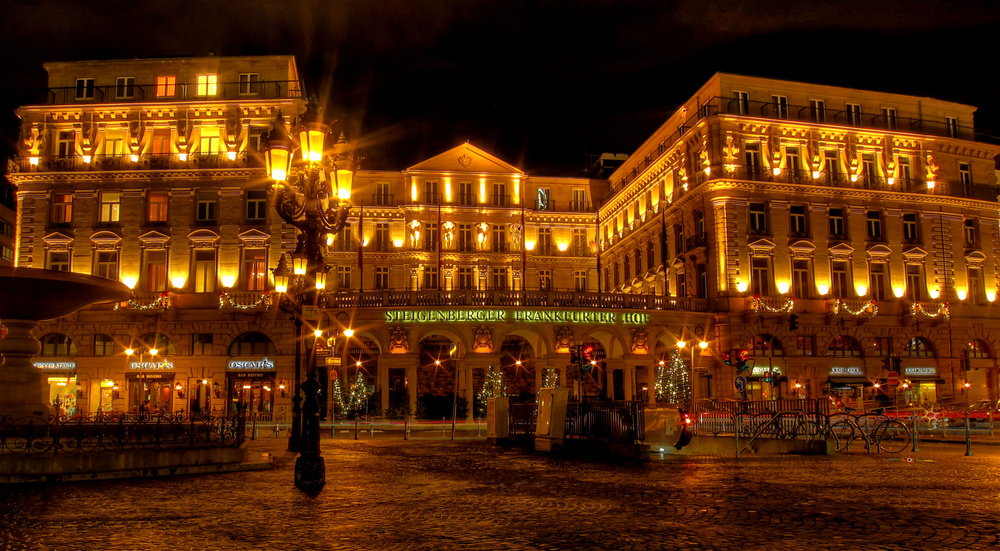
point(439, 494)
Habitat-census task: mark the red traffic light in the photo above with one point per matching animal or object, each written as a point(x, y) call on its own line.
point(588, 352)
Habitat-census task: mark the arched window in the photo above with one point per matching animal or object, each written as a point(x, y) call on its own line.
point(844, 346)
point(767, 345)
point(163, 345)
point(978, 348)
point(918, 347)
point(251, 344)
point(57, 344)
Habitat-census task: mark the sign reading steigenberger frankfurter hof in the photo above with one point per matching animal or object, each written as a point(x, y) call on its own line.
point(247, 364)
point(517, 316)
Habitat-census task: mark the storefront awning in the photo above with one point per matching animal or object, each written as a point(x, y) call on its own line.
point(918, 380)
point(848, 382)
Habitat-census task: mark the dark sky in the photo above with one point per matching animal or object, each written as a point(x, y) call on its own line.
point(541, 83)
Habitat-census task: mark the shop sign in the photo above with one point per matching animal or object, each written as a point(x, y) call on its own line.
point(516, 316)
point(846, 372)
point(154, 376)
point(151, 366)
point(55, 365)
point(920, 371)
point(759, 371)
point(263, 364)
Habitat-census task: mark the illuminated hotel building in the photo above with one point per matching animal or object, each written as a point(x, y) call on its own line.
point(829, 230)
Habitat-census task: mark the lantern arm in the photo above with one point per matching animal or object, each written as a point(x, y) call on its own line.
point(288, 208)
point(334, 218)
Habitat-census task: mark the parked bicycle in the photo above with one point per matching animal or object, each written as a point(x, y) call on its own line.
point(876, 429)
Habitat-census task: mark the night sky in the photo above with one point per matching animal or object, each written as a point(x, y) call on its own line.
point(542, 84)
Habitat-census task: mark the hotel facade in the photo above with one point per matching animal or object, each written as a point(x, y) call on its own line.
point(871, 217)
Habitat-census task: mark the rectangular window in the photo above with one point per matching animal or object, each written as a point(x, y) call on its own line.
point(889, 117)
point(544, 280)
point(650, 254)
point(543, 199)
point(381, 278)
point(976, 289)
point(905, 174)
point(6, 253)
point(431, 236)
point(114, 143)
point(780, 106)
point(838, 229)
point(158, 202)
point(874, 224)
point(206, 201)
point(382, 195)
point(201, 344)
point(160, 141)
point(832, 162)
point(741, 101)
point(854, 114)
point(805, 345)
point(952, 127)
point(62, 208)
point(579, 201)
point(345, 239)
point(125, 87)
point(971, 233)
point(881, 346)
point(58, 261)
point(879, 281)
point(155, 270)
point(797, 220)
point(208, 85)
point(679, 245)
point(209, 143)
point(699, 225)
point(800, 279)
point(702, 271)
point(465, 242)
point(465, 278)
point(343, 277)
point(466, 196)
point(500, 278)
point(84, 88)
point(817, 109)
point(914, 282)
point(544, 245)
point(382, 236)
point(760, 274)
point(104, 345)
point(166, 86)
point(255, 269)
point(66, 145)
point(204, 271)
point(758, 218)
point(106, 264)
point(868, 170)
point(498, 241)
point(256, 205)
point(431, 192)
point(580, 280)
point(580, 242)
point(792, 161)
point(752, 154)
point(910, 227)
point(249, 83)
point(111, 202)
point(499, 194)
point(840, 278)
point(965, 175)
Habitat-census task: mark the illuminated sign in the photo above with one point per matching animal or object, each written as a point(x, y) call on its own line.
point(759, 371)
point(920, 371)
point(847, 371)
point(55, 365)
point(516, 316)
point(151, 366)
point(251, 365)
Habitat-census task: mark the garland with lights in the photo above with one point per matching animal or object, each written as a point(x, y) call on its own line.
point(942, 310)
point(673, 381)
point(224, 298)
point(841, 304)
point(161, 301)
point(758, 304)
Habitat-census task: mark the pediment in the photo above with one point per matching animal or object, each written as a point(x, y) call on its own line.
point(203, 238)
point(254, 239)
point(975, 257)
point(761, 244)
point(57, 237)
point(879, 251)
point(466, 158)
point(915, 253)
point(802, 249)
point(154, 238)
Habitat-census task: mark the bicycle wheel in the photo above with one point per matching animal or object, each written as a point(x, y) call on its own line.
point(843, 434)
point(892, 436)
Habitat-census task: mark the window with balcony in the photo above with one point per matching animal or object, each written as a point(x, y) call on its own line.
point(106, 264)
point(498, 241)
point(166, 86)
point(466, 196)
point(545, 280)
point(160, 142)
point(760, 276)
point(344, 277)
point(256, 205)
point(905, 172)
point(874, 224)
point(854, 114)
point(752, 155)
point(344, 239)
point(383, 195)
point(158, 202)
point(500, 278)
point(701, 271)
point(466, 279)
point(868, 170)
point(249, 84)
point(910, 233)
point(965, 176)
point(381, 278)
point(544, 245)
point(154, 270)
point(971, 233)
point(205, 207)
point(62, 208)
point(125, 87)
point(66, 145)
point(879, 281)
point(465, 241)
point(579, 201)
point(543, 199)
point(889, 117)
point(201, 344)
point(431, 192)
point(838, 226)
point(382, 236)
point(831, 160)
point(110, 207)
point(207, 85)
point(85, 88)
point(817, 110)
point(741, 103)
point(500, 194)
point(209, 143)
point(780, 106)
point(840, 279)
point(580, 280)
point(579, 242)
point(801, 280)
point(682, 285)
point(114, 143)
point(254, 271)
point(204, 270)
point(57, 260)
point(430, 278)
point(797, 220)
point(758, 218)
point(431, 236)
point(952, 123)
point(915, 282)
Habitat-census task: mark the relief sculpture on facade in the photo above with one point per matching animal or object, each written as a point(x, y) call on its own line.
point(398, 342)
point(564, 338)
point(484, 340)
point(640, 344)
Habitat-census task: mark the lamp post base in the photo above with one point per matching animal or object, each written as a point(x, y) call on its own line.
point(310, 472)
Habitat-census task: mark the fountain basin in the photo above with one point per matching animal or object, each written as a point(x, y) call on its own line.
point(33, 294)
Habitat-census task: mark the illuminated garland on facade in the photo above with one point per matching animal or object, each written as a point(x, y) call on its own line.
point(160, 302)
point(943, 310)
point(224, 299)
point(757, 304)
point(841, 304)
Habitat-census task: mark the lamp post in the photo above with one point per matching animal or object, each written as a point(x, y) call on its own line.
point(313, 194)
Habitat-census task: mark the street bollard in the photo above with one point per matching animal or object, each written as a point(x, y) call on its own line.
point(736, 433)
point(968, 436)
point(444, 433)
point(479, 426)
point(371, 428)
point(277, 431)
point(356, 421)
point(333, 425)
point(916, 435)
point(991, 424)
point(254, 435)
point(406, 427)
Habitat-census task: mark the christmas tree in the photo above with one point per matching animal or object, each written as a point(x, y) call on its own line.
point(493, 387)
point(359, 394)
point(673, 381)
point(338, 397)
point(551, 379)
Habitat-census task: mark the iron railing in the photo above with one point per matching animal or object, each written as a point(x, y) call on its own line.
point(183, 91)
point(112, 163)
point(618, 421)
point(543, 299)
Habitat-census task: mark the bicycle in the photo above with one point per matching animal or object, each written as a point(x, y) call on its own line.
point(887, 434)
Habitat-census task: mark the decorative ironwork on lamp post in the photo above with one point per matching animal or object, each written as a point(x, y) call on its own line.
point(312, 194)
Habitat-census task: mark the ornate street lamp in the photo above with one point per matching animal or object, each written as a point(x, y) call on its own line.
point(313, 194)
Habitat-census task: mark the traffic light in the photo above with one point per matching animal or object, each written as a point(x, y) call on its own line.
point(793, 323)
point(767, 376)
point(741, 361)
point(588, 353)
point(727, 359)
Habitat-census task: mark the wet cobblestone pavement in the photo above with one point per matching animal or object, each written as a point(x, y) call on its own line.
point(437, 495)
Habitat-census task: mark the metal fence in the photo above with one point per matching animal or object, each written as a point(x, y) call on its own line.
point(523, 420)
point(117, 432)
point(620, 421)
point(782, 418)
